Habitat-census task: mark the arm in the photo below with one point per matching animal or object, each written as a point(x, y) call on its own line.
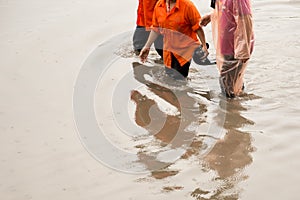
point(145, 51)
point(205, 20)
point(243, 36)
point(194, 18)
point(201, 36)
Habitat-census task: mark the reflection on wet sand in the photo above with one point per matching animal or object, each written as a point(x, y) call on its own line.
point(169, 130)
point(229, 154)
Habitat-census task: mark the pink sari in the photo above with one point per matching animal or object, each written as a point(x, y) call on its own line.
point(234, 40)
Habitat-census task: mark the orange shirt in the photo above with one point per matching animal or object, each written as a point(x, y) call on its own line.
point(140, 14)
point(145, 12)
point(179, 28)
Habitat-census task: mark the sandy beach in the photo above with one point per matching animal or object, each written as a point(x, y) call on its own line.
point(66, 62)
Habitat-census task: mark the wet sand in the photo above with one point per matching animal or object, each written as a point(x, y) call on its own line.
point(246, 148)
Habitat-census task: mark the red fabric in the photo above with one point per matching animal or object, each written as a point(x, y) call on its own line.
point(145, 12)
point(140, 14)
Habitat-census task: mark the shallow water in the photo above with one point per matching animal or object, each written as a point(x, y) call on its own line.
point(160, 139)
point(245, 148)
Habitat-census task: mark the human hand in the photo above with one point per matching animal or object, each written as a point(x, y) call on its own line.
point(245, 60)
point(205, 20)
point(205, 51)
point(144, 54)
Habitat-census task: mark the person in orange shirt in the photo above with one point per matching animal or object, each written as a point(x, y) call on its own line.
point(179, 22)
point(144, 22)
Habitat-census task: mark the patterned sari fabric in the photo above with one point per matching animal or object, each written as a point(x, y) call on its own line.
point(234, 39)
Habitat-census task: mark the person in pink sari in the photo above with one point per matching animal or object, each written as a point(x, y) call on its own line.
point(233, 37)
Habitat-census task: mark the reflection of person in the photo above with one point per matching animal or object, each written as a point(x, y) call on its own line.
point(143, 22)
point(230, 154)
point(233, 37)
point(168, 128)
point(178, 21)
